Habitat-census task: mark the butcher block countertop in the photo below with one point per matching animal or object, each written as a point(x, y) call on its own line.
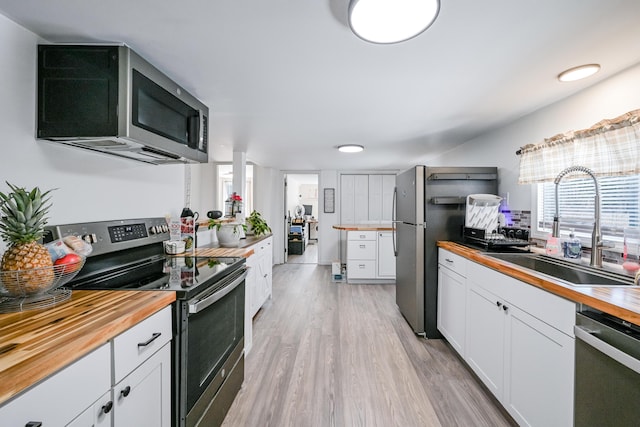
point(37, 343)
point(622, 302)
point(363, 227)
point(243, 250)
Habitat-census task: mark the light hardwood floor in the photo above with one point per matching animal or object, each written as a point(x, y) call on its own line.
point(310, 255)
point(335, 354)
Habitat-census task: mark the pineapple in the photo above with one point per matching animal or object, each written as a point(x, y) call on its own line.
point(27, 266)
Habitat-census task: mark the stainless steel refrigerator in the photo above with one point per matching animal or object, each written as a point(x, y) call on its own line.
point(429, 205)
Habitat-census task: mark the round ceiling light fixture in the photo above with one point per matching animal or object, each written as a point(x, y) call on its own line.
point(578, 73)
point(391, 21)
point(350, 148)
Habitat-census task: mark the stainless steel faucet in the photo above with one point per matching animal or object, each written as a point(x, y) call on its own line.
point(596, 235)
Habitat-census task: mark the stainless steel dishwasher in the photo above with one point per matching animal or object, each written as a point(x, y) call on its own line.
point(607, 381)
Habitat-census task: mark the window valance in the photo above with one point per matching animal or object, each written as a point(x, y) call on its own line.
point(610, 147)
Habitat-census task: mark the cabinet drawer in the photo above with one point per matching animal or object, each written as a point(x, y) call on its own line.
point(60, 398)
point(134, 346)
point(361, 269)
point(361, 250)
point(452, 261)
point(361, 235)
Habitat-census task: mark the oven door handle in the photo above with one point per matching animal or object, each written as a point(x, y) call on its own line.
point(620, 356)
point(195, 305)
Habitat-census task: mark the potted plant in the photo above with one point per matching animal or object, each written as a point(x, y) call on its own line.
point(257, 225)
point(228, 232)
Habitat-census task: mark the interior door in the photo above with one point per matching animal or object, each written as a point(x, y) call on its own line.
point(287, 221)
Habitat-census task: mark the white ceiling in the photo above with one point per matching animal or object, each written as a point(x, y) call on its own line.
point(286, 81)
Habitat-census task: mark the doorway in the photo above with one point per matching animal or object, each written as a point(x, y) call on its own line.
point(301, 213)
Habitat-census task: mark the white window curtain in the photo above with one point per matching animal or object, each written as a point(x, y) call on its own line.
point(609, 148)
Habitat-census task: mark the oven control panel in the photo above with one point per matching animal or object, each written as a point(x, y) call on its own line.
point(111, 236)
point(123, 233)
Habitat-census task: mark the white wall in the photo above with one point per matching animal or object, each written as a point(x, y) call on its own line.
point(89, 186)
point(608, 99)
point(328, 237)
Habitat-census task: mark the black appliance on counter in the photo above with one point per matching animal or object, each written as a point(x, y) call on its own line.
point(505, 239)
point(208, 315)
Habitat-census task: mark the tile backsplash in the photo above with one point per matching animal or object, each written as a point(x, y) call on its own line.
point(517, 218)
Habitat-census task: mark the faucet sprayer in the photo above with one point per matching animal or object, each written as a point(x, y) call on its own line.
point(596, 235)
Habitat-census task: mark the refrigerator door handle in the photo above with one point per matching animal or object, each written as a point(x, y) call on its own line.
point(393, 221)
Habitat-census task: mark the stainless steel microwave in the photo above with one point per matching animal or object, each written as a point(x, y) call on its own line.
point(107, 98)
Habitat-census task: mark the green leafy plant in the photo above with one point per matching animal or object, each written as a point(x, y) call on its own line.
point(217, 224)
point(258, 225)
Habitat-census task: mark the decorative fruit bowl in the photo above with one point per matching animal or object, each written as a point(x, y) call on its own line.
point(35, 281)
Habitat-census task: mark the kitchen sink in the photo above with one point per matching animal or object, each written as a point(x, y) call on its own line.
point(573, 273)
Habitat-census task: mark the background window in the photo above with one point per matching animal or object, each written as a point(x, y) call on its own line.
point(225, 187)
point(619, 205)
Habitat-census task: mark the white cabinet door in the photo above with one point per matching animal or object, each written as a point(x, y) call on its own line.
point(361, 199)
point(347, 199)
point(97, 415)
point(452, 310)
point(388, 185)
point(64, 396)
point(539, 372)
point(386, 257)
point(375, 197)
point(264, 276)
point(143, 398)
point(485, 337)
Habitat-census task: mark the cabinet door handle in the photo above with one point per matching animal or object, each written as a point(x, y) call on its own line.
point(152, 339)
point(125, 391)
point(362, 246)
point(33, 424)
point(107, 407)
point(498, 303)
point(448, 260)
point(505, 308)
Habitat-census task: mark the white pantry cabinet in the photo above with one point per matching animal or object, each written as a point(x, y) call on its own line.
point(85, 393)
point(519, 341)
point(366, 198)
point(452, 297)
point(258, 285)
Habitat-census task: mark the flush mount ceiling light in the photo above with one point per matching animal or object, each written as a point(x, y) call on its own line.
point(350, 148)
point(391, 21)
point(577, 73)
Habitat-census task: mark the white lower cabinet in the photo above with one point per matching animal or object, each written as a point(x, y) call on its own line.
point(143, 398)
point(61, 398)
point(370, 257)
point(517, 338)
point(86, 393)
point(97, 415)
point(258, 285)
point(520, 343)
point(452, 297)
point(386, 257)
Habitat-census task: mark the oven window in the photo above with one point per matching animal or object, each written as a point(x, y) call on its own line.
point(158, 111)
point(213, 333)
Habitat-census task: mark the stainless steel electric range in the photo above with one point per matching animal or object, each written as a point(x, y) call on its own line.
point(208, 321)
